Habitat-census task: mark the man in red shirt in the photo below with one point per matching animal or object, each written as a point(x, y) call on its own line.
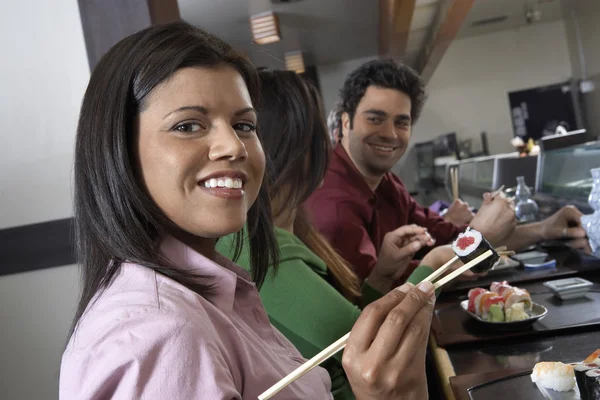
point(361, 203)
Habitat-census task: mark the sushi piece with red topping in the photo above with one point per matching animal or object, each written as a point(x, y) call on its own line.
point(473, 293)
point(469, 245)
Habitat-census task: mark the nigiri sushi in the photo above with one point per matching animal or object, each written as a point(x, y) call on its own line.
point(554, 375)
point(471, 244)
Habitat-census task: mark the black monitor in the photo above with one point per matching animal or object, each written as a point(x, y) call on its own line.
point(446, 145)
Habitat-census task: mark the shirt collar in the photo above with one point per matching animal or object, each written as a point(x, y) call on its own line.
point(223, 274)
point(341, 157)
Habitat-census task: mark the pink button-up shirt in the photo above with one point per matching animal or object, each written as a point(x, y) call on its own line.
point(149, 337)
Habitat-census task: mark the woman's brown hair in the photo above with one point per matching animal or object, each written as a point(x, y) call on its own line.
point(297, 145)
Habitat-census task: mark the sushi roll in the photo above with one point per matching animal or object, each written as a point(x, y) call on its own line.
point(493, 308)
point(554, 375)
point(518, 296)
point(496, 286)
point(471, 244)
point(580, 371)
point(592, 384)
point(480, 301)
point(473, 293)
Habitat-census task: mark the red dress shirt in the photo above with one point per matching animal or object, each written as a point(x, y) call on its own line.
point(354, 219)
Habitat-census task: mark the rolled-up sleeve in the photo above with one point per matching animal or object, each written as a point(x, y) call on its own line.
point(146, 357)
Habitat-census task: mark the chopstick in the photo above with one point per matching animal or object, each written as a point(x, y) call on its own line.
point(441, 270)
point(306, 367)
point(341, 342)
point(506, 253)
point(462, 269)
point(497, 192)
point(454, 180)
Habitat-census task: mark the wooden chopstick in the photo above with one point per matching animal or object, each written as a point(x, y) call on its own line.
point(462, 269)
point(454, 178)
point(306, 367)
point(441, 270)
point(506, 253)
point(341, 342)
point(497, 192)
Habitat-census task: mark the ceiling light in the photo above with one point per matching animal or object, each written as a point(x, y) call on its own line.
point(265, 28)
point(294, 61)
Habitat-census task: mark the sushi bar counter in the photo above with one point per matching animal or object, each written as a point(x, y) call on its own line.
point(484, 349)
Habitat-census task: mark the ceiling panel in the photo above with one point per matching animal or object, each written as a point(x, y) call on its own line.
point(327, 31)
point(514, 10)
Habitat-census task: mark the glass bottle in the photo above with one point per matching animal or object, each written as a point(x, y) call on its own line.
point(526, 209)
point(591, 223)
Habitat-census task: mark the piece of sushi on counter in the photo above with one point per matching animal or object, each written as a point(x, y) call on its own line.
point(587, 375)
point(558, 376)
point(582, 380)
point(469, 245)
point(554, 375)
point(592, 384)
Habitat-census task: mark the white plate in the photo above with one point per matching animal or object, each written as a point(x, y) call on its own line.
point(536, 313)
point(554, 395)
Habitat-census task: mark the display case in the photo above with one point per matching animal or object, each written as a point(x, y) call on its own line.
point(486, 174)
point(564, 173)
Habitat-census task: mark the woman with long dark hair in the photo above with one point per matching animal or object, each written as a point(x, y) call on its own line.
point(313, 296)
point(167, 161)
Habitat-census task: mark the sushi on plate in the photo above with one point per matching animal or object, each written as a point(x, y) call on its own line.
point(554, 375)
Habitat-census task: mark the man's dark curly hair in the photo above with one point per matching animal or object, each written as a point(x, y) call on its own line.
point(385, 74)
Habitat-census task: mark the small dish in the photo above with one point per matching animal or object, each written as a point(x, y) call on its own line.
point(531, 257)
point(569, 288)
point(536, 313)
point(505, 263)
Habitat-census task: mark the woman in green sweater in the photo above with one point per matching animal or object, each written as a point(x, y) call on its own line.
point(312, 296)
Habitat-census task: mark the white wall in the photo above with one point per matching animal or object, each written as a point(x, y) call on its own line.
point(43, 75)
point(587, 12)
point(468, 92)
point(332, 77)
point(36, 313)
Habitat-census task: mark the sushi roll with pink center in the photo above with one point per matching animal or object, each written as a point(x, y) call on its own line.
point(469, 245)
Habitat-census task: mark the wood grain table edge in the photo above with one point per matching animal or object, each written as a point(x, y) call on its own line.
point(444, 367)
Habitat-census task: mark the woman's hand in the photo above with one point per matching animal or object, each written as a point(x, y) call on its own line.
point(384, 357)
point(398, 248)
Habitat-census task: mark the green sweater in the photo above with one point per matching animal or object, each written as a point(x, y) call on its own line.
point(302, 304)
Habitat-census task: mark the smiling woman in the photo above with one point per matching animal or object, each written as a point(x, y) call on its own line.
point(168, 160)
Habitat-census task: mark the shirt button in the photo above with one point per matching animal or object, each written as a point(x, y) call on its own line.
point(256, 315)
